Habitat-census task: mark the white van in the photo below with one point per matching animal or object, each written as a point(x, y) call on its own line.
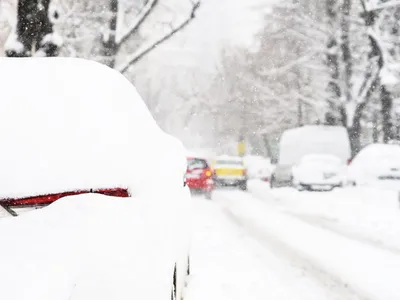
point(310, 139)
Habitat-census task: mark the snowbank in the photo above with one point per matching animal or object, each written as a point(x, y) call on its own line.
point(69, 124)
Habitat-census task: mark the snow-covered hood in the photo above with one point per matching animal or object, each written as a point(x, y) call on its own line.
point(317, 168)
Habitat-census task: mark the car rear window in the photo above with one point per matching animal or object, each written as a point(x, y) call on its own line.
point(230, 162)
point(197, 163)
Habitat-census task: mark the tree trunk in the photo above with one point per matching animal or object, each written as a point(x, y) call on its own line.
point(34, 30)
point(386, 111)
point(110, 45)
point(375, 131)
point(355, 130)
point(385, 95)
point(346, 51)
point(333, 88)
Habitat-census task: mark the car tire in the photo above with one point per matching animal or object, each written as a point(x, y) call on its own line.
point(243, 186)
point(272, 182)
point(188, 267)
point(208, 195)
point(173, 291)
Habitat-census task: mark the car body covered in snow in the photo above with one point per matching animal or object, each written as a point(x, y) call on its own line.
point(318, 172)
point(310, 139)
point(230, 171)
point(258, 167)
point(199, 176)
point(376, 165)
point(77, 132)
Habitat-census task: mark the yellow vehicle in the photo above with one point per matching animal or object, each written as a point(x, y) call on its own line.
point(230, 171)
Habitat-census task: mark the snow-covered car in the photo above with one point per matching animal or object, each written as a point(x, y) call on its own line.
point(310, 139)
point(230, 171)
point(199, 176)
point(318, 172)
point(376, 165)
point(78, 139)
point(258, 167)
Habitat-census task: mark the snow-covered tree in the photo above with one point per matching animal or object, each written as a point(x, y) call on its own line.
point(33, 34)
point(119, 33)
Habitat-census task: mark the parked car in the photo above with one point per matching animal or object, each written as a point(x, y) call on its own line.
point(376, 165)
point(318, 172)
point(310, 139)
point(79, 143)
point(230, 171)
point(199, 176)
point(258, 167)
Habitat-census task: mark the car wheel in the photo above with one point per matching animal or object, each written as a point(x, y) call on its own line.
point(243, 186)
point(272, 182)
point(173, 291)
point(188, 267)
point(207, 195)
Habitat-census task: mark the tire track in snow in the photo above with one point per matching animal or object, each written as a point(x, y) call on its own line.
point(335, 288)
point(229, 264)
point(323, 223)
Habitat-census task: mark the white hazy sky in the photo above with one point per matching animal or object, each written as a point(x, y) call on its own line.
point(218, 23)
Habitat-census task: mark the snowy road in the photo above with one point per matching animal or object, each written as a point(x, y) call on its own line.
point(284, 245)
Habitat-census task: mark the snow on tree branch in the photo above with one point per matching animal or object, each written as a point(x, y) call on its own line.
point(148, 47)
point(140, 18)
point(371, 5)
point(288, 65)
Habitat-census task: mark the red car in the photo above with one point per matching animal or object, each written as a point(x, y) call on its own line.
point(199, 176)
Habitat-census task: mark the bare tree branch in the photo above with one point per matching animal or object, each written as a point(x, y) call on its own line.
point(141, 17)
point(377, 5)
point(146, 49)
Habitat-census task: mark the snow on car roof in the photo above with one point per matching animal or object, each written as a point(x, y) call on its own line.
point(71, 124)
point(374, 151)
point(320, 157)
point(229, 157)
point(381, 148)
point(313, 139)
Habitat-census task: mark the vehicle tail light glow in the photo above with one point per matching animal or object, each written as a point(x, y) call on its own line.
point(209, 173)
point(47, 199)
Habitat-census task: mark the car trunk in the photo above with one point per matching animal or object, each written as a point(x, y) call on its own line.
point(229, 171)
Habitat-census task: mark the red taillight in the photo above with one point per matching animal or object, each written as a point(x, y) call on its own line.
point(244, 172)
point(47, 199)
point(208, 173)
